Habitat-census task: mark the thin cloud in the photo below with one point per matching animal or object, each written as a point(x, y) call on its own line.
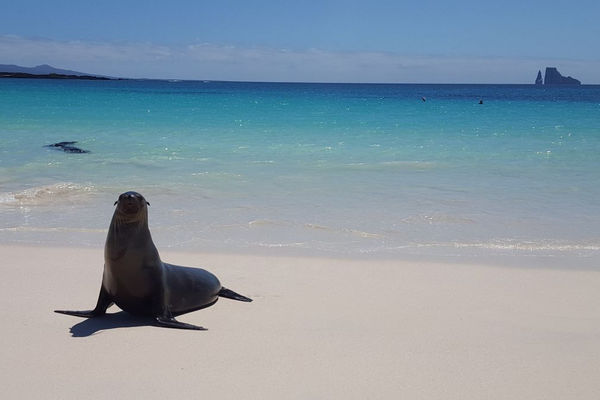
point(221, 62)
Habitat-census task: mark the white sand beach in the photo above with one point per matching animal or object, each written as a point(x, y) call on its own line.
point(317, 329)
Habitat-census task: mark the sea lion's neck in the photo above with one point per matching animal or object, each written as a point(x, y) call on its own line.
point(126, 233)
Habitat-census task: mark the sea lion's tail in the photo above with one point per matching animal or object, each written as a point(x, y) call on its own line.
point(230, 294)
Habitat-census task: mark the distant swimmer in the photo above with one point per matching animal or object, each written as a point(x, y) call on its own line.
point(67, 147)
point(480, 101)
point(424, 99)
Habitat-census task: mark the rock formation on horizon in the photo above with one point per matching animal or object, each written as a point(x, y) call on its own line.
point(538, 80)
point(44, 71)
point(553, 77)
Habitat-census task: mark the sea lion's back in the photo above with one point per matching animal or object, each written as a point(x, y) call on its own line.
point(190, 288)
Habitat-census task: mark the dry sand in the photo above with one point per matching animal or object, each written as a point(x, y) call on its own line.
point(317, 329)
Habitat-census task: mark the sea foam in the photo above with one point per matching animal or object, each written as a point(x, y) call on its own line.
point(57, 193)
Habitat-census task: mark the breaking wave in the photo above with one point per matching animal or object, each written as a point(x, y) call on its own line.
point(38, 229)
point(350, 231)
point(531, 246)
point(507, 246)
point(402, 165)
point(63, 192)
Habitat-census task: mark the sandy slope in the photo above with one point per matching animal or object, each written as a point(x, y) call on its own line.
point(317, 329)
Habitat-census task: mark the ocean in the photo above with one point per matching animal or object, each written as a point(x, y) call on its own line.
point(343, 170)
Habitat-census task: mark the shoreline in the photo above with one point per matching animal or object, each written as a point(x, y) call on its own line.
point(318, 328)
point(514, 258)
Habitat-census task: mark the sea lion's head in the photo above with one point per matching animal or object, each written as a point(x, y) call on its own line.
point(132, 207)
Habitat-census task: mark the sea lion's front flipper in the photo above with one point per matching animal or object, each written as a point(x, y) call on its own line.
point(104, 301)
point(173, 323)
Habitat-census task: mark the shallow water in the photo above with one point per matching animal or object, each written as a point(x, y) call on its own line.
point(306, 168)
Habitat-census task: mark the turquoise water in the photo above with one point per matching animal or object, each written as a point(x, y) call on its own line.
point(306, 168)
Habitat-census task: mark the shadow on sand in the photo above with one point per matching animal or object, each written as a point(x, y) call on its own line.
point(120, 319)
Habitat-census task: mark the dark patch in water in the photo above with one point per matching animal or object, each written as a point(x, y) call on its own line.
point(67, 147)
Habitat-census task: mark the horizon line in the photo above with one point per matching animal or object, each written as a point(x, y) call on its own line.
point(175, 80)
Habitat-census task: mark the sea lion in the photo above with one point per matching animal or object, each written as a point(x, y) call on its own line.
point(136, 280)
point(67, 147)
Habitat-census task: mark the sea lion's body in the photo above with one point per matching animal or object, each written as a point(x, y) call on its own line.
point(136, 279)
point(67, 147)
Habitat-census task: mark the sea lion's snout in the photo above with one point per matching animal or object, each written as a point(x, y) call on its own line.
point(131, 202)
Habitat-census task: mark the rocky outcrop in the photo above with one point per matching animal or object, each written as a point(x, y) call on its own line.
point(538, 80)
point(553, 77)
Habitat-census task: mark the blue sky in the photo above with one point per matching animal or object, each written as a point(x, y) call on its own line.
point(350, 41)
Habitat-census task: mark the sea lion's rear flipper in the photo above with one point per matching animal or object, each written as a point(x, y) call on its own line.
point(104, 301)
point(230, 294)
point(83, 314)
point(173, 323)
